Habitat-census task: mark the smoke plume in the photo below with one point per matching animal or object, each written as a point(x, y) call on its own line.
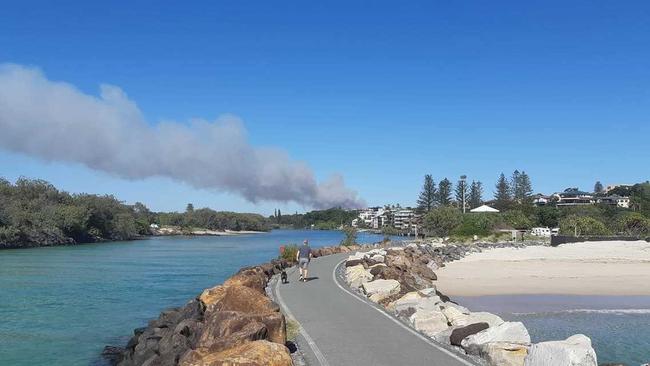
point(57, 122)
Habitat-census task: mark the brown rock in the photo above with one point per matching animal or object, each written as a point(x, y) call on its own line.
point(224, 324)
point(254, 278)
point(237, 298)
point(257, 353)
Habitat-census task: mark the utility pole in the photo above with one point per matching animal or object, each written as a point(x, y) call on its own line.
point(462, 179)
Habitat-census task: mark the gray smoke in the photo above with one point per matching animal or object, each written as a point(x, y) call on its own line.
point(57, 122)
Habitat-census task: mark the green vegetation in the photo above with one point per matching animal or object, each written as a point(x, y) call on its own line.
point(350, 236)
point(427, 199)
point(293, 329)
point(289, 253)
point(34, 213)
point(330, 219)
point(513, 197)
point(444, 192)
point(582, 225)
point(442, 221)
point(206, 218)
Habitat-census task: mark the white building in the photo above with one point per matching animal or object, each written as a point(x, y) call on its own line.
point(403, 219)
point(615, 200)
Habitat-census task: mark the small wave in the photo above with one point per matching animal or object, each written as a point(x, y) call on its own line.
point(588, 311)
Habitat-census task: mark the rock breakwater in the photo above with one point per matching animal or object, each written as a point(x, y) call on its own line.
point(404, 284)
point(235, 323)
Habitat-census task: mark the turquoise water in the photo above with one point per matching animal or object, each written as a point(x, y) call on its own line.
point(61, 305)
point(619, 326)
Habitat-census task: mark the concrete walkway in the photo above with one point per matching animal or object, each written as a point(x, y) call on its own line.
point(340, 329)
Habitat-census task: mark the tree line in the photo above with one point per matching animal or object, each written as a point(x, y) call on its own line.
point(513, 196)
point(35, 213)
point(518, 189)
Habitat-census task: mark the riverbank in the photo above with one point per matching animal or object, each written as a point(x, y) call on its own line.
point(588, 268)
point(175, 230)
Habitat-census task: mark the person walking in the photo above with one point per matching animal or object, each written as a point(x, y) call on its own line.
point(304, 257)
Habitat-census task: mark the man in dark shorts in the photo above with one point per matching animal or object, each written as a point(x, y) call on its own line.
point(303, 257)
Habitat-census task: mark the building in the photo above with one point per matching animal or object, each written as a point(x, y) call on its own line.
point(610, 187)
point(541, 200)
point(573, 197)
point(615, 200)
point(403, 219)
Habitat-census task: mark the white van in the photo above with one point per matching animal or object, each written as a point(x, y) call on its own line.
point(541, 231)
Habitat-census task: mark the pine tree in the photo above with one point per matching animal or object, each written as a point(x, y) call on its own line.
point(525, 188)
point(427, 198)
point(598, 187)
point(502, 193)
point(189, 208)
point(444, 192)
point(461, 192)
point(279, 217)
point(475, 194)
point(515, 185)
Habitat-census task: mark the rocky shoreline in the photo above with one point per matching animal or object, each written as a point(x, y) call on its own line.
point(402, 281)
point(235, 323)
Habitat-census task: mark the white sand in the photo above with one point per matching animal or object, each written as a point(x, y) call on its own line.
point(589, 268)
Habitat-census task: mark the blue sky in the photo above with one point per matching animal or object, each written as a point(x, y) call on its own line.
point(379, 92)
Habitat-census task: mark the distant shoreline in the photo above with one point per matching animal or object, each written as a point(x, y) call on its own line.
point(175, 231)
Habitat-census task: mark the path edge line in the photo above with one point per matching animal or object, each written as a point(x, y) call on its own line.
point(310, 341)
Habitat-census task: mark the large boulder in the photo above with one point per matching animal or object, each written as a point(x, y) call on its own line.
point(355, 259)
point(429, 322)
point(225, 329)
point(458, 334)
point(511, 332)
point(257, 353)
point(484, 317)
point(505, 354)
point(378, 290)
point(455, 316)
point(574, 351)
point(254, 278)
point(415, 301)
point(376, 268)
point(237, 298)
point(357, 275)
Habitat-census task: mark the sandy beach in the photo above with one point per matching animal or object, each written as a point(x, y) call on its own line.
point(589, 268)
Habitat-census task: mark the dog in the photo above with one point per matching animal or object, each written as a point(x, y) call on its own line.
point(283, 277)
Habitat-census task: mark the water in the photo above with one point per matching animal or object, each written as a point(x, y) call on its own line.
point(61, 305)
point(619, 326)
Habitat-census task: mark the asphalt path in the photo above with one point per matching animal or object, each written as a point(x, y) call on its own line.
point(340, 328)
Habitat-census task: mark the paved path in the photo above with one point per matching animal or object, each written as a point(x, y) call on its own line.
point(340, 329)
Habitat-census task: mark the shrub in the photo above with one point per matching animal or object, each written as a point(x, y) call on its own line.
point(517, 220)
point(350, 236)
point(442, 221)
point(480, 224)
point(633, 223)
point(289, 253)
point(582, 225)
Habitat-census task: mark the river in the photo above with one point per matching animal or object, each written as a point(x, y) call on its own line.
point(62, 305)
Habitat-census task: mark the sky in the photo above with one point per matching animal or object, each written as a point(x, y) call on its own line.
point(376, 93)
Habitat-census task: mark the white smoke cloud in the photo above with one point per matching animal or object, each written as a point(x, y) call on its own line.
point(57, 122)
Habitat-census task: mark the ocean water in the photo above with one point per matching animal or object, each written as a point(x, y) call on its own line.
point(619, 326)
point(62, 305)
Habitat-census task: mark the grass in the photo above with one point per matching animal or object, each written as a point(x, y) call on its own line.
point(293, 328)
